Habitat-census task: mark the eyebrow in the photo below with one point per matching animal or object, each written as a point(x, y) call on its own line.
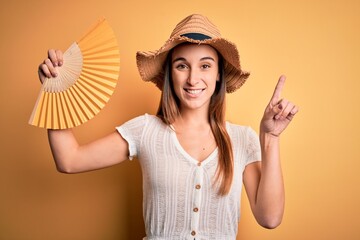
point(201, 59)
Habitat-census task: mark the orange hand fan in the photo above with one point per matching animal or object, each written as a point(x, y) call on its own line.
point(84, 84)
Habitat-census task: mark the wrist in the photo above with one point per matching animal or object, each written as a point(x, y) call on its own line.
point(269, 135)
point(267, 139)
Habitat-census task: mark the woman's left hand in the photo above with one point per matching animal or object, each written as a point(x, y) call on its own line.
point(278, 113)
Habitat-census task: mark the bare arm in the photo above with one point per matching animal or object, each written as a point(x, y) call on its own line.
point(264, 181)
point(69, 156)
point(264, 184)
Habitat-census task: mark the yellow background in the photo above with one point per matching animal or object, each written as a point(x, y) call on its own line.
point(316, 43)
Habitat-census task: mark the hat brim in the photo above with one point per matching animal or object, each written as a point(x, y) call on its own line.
point(151, 63)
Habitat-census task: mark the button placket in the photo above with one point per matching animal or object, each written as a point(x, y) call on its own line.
point(196, 208)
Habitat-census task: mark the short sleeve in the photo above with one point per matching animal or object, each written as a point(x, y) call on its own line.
point(132, 131)
point(253, 150)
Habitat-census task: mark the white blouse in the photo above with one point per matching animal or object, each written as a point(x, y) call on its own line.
point(179, 199)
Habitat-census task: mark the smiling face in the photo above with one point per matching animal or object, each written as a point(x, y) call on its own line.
point(194, 71)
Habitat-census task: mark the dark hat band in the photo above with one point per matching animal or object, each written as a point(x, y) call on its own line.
point(196, 36)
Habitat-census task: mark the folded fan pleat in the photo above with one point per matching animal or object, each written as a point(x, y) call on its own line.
point(84, 83)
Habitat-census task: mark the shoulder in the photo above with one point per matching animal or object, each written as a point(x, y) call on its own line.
point(240, 132)
point(144, 119)
point(245, 139)
point(141, 123)
point(152, 120)
point(236, 128)
point(137, 126)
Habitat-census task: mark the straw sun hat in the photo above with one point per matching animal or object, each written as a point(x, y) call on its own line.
point(194, 29)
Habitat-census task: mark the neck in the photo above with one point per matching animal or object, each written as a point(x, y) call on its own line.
point(193, 118)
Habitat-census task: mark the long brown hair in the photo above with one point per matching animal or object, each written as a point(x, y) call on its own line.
point(169, 109)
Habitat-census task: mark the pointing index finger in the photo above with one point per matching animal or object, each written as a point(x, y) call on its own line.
point(277, 92)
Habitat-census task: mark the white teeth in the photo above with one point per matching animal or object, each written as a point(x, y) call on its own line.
point(195, 91)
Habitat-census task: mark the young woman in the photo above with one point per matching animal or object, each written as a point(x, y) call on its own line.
point(193, 162)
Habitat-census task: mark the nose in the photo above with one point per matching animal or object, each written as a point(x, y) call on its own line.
point(193, 78)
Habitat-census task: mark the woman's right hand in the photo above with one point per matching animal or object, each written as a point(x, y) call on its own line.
point(47, 69)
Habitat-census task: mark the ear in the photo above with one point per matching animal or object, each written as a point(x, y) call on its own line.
point(218, 77)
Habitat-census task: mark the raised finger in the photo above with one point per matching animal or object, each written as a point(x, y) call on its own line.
point(277, 92)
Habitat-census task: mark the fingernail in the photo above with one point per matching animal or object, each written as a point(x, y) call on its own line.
point(280, 106)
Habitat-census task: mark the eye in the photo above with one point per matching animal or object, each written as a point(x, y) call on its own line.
point(205, 66)
point(181, 66)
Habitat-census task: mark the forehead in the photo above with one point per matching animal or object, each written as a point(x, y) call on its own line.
point(189, 50)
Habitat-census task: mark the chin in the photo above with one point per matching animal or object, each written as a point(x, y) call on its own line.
point(195, 105)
